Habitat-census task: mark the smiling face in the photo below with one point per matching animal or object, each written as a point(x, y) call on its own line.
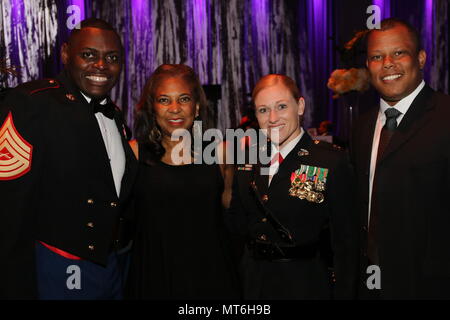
point(394, 63)
point(93, 59)
point(174, 105)
point(278, 111)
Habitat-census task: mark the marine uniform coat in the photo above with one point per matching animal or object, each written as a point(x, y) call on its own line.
point(64, 195)
point(306, 221)
point(413, 186)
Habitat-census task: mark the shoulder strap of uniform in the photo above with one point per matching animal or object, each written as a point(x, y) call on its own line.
point(327, 145)
point(37, 86)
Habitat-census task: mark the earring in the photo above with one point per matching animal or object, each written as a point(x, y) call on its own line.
point(155, 134)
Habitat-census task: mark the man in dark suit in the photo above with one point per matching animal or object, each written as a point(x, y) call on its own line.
point(66, 172)
point(286, 206)
point(401, 153)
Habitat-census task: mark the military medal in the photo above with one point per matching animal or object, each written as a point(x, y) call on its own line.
point(309, 182)
point(311, 197)
point(321, 179)
point(298, 179)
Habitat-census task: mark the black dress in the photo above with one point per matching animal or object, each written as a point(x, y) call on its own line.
point(181, 250)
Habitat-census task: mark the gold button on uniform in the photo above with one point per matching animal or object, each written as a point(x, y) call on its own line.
point(113, 204)
point(90, 201)
point(70, 96)
point(264, 219)
point(263, 237)
point(265, 198)
point(90, 224)
point(91, 247)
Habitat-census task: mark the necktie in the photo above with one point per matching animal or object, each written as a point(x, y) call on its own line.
point(388, 130)
point(386, 134)
point(107, 109)
point(277, 158)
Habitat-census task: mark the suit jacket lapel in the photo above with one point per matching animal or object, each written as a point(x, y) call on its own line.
point(362, 151)
point(130, 159)
point(415, 118)
point(367, 132)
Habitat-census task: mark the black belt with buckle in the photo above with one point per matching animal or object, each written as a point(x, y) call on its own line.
point(274, 252)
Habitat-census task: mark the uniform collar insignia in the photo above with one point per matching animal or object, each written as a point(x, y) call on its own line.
point(70, 96)
point(303, 152)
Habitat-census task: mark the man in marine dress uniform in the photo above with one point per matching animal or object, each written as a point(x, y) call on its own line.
point(66, 172)
point(401, 153)
point(284, 207)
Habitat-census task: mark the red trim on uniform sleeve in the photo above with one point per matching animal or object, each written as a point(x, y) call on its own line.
point(45, 88)
point(60, 252)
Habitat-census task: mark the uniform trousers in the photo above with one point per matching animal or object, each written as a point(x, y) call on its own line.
point(61, 278)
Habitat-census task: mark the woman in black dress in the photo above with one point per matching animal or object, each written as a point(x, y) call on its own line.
point(181, 250)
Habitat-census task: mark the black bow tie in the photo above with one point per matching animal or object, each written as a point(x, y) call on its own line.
point(107, 109)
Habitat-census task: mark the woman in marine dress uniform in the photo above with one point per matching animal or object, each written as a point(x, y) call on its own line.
point(287, 206)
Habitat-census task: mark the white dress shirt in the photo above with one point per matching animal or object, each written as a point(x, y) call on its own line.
point(402, 106)
point(113, 144)
point(273, 169)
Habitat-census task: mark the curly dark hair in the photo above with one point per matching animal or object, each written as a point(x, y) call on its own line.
point(147, 131)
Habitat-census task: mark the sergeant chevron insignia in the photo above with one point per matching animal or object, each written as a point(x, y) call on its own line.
point(15, 152)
